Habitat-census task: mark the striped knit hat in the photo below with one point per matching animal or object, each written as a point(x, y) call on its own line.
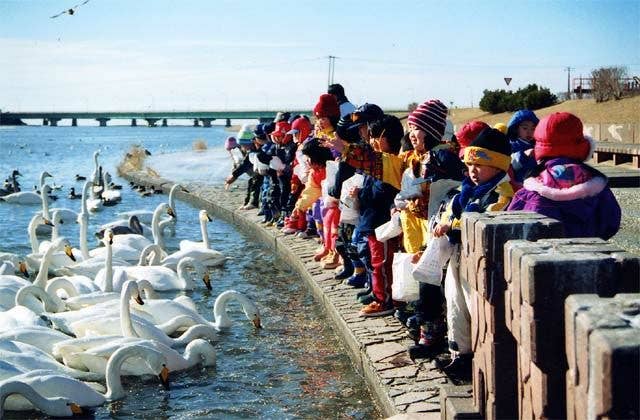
point(430, 117)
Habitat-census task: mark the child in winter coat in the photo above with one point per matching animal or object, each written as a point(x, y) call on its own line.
point(249, 150)
point(520, 133)
point(563, 186)
point(486, 188)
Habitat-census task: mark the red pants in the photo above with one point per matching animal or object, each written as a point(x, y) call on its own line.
point(330, 222)
point(382, 262)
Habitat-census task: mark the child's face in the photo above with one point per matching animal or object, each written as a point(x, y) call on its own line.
point(526, 129)
point(323, 123)
point(480, 174)
point(417, 138)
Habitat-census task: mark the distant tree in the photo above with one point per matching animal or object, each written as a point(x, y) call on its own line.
point(530, 97)
point(607, 84)
point(412, 106)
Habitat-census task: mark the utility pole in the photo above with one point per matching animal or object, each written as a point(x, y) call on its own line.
point(568, 70)
point(332, 67)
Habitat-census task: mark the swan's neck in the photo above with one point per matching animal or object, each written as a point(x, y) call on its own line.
point(183, 274)
point(126, 325)
point(48, 303)
point(60, 283)
point(43, 273)
point(108, 269)
point(221, 318)
point(114, 369)
point(83, 220)
point(33, 239)
point(155, 228)
point(45, 204)
point(205, 234)
point(49, 406)
point(155, 251)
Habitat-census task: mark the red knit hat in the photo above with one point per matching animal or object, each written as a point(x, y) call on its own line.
point(327, 106)
point(560, 135)
point(430, 117)
point(469, 132)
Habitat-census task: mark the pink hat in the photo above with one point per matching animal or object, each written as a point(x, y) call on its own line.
point(469, 132)
point(230, 143)
point(327, 106)
point(561, 135)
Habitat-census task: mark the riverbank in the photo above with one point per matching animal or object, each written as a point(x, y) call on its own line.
point(377, 346)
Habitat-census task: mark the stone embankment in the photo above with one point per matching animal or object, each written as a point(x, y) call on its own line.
point(377, 346)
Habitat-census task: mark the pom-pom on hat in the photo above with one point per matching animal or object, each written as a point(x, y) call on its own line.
point(230, 143)
point(490, 148)
point(469, 132)
point(327, 106)
point(430, 117)
point(561, 135)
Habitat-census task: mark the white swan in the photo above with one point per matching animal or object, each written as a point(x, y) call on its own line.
point(53, 406)
point(129, 246)
point(28, 197)
point(162, 278)
point(92, 353)
point(187, 317)
point(38, 300)
point(208, 257)
point(135, 326)
point(186, 244)
point(58, 253)
point(50, 384)
point(43, 338)
point(109, 197)
point(56, 220)
point(27, 357)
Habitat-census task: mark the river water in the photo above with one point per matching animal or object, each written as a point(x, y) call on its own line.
point(294, 367)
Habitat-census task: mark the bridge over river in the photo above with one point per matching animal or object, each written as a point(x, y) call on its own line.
point(199, 118)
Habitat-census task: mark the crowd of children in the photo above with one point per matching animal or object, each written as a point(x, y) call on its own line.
point(348, 175)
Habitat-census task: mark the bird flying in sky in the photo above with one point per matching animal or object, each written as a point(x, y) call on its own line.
point(70, 11)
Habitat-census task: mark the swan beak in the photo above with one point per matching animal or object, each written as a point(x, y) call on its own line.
point(139, 300)
point(256, 322)
point(207, 281)
point(209, 219)
point(48, 222)
point(69, 252)
point(111, 238)
point(76, 410)
point(170, 212)
point(164, 377)
point(22, 266)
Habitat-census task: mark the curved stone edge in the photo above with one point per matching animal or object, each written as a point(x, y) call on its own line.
point(376, 346)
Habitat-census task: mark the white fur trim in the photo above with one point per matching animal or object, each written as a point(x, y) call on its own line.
point(590, 188)
point(592, 147)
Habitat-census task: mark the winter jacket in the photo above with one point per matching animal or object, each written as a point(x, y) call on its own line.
point(376, 200)
point(312, 190)
point(573, 193)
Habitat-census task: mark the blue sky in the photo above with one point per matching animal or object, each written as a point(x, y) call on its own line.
point(218, 54)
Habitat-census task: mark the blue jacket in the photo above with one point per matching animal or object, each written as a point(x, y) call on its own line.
point(376, 199)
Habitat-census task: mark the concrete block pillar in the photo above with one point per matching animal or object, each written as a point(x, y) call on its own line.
point(206, 122)
point(228, 123)
point(74, 122)
point(45, 121)
point(151, 122)
point(134, 123)
point(164, 122)
point(103, 121)
point(543, 275)
point(53, 122)
point(481, 266)
point(196, 122)
point(603, 354)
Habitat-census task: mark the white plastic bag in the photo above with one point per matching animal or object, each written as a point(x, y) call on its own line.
point(404, 287)
point(389, 230)
point(276, 164)
point(429, 267)
point(349, 205)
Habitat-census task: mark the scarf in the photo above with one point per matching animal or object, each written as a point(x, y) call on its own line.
point(471, 195)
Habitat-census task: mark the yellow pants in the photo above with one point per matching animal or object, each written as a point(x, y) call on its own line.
point(414, 232)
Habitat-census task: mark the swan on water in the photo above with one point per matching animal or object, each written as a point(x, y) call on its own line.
point(43, 338)
point(51, 384)
point(186, 244)
point(28, 197)
point(51, 406)
point(145, 216)
point(133, 325)
point(92, 354)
